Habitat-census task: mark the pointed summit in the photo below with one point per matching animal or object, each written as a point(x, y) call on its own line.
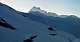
point(43, 12)
point(37, 9)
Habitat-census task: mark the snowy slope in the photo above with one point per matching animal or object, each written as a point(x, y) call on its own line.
point(66, 23)
point(59, 37)
point(76, 40)
point(23, 26)
point(26, 27)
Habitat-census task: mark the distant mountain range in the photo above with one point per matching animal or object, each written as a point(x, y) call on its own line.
point(36, 22)
point(69, 24)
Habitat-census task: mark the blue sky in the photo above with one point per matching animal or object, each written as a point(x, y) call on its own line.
point(61, 7)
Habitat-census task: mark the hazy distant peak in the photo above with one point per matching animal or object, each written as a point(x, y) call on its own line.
point(37, 9)
point(52, 14)
point(73, 16)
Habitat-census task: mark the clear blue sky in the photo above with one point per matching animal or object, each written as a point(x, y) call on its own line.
point(61, 7)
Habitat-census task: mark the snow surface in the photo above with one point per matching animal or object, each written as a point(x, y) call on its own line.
point(26, 27)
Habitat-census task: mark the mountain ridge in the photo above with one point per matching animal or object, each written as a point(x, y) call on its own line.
point(29, 24)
